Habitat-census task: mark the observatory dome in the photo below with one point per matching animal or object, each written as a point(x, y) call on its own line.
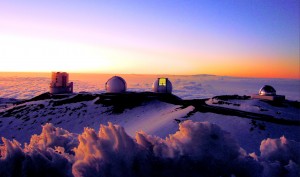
point(267, 90)
point(115, 84)
point(162, 85)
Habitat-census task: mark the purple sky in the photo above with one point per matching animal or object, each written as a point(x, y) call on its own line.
point(174, 37)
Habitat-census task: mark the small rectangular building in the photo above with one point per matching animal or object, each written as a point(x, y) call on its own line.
point(269, 97)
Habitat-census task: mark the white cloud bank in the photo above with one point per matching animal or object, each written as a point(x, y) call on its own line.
point(197, 149)
point(19, 86)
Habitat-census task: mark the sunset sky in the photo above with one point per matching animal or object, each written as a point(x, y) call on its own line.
point(252, 38)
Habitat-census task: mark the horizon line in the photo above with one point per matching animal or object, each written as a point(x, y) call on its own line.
point(154, 74)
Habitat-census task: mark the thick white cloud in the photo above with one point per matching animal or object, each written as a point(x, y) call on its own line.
point(196, 149)
point(282, 155)
point(52, 137)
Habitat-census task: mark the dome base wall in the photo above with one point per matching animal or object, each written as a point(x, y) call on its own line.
point(269, 97)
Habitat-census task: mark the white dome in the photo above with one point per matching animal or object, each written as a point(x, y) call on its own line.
point(267, 90)
point(115, 84)
point(162, 85)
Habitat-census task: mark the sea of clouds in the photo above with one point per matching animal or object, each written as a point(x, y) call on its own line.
point(196, 149)
point(22, 86)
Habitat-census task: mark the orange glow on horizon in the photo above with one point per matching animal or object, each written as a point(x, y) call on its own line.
point(185, 38)
point(41, 55)
point(247, 67)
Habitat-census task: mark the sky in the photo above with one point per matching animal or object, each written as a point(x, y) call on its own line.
point(253, 38)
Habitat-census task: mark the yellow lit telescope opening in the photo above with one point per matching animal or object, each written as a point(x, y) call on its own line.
point(162, 82)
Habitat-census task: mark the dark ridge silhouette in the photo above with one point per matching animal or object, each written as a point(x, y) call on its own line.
point(128, 100)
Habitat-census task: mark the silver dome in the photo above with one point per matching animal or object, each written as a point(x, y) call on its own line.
point(267, 90)
point(115, 84)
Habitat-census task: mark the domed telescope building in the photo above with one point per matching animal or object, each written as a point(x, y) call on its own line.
point(60, 83)
point(267, 92)
point(116, 84)
point(162, 85)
